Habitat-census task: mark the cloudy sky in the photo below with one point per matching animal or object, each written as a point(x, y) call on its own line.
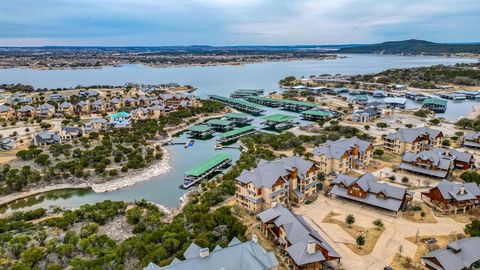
point(235, 22)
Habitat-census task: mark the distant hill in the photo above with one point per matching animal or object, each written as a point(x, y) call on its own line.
point(413, 46)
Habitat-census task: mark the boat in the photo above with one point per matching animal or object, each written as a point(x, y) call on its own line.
point(218, 146)
point(189, 143)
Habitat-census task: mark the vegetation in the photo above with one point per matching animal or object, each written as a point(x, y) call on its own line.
point(466, 123)
point(421, 113)
point(349, 220)
point(360, 241)
point(471, 176)
point(473, 228)
point(378, 223)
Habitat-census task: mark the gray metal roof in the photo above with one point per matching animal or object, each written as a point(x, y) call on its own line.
point(336, 149)
point(409, 135)
point(4, 108)
point(455, 154)
point(369, 183)
point(440, 161)
point(452, 190)
point(457, 255)
point(268, 172)
point(298, 234)
point(237, 256)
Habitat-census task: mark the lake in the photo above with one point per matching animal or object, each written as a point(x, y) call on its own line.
point(220, 80)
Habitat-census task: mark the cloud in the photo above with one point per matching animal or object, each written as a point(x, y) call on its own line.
point(224, 22)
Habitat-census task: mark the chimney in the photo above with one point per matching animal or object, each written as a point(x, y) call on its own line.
point(254, 238)
point(462, 190)
point(204, 252)
point(274, 204)
point(311, 247)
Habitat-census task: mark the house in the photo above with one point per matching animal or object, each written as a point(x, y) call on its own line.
point(96, 125)
point(46, 138)
point(458, 255)
point(155, 111)
point(365, 115)
point(139, 114)
point(379, 94)
point(236, 256)
point(304, 247)
point(120, 120)
point(45, 110)
point(143, 100)
point(66, 108)
point(282, 180)
point(68, 133)
point(89, 94)
point(26, 111)
point(82, 107)
point(6, 112)
point(56, 97)
point(342, 155)
point(435, 105)
point(7, 144)
point(413, 140)
point(366, 189)
point(98, 106)
point(19, 99)
point(472, 140)
point(461, 160)
point(130, 102)
point(454, 195)
point(429, 163)
point(361, 99)
point(114, 104)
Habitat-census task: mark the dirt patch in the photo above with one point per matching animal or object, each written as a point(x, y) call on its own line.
point(371, 234)
point(417, 216)
point(118, 229)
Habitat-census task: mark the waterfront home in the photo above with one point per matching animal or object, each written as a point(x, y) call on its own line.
point(95, 125)
point(56, 97)
point(395, 102)
point(428, 163)
point(6, 112)
point(82, 107)
point(68, 133)
point(366, 189)
point(472, 139)
point(236, 256)
point(412, 140)
point(435, 105)
point(120, 120)
point(7, 144)
point(458, 255)
point(46, 138)
point(66, 108)
point(45, 110)
point(26, 112)
point(342, 155)
point(304, 247)
point(454, 195)
point(283, 180)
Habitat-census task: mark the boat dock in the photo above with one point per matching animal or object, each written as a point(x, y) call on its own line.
point(314, 115)
point(201, 171)
point(435, 105)
point(287, 104)
point(241, 93)
point(279, 121)
point(240, 104)
point(454, 96)
point(220, 125)
point(200, 131)
point(236, 134)
point(239, 119)
point(469, 94)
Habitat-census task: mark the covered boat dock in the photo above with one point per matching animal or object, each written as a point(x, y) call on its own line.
point(201, 171)
point(200, 131)
point(315, 115)
point(236, 134)
point(220, 125)
point(279, 121)
point(239, 119)
point(240, 104)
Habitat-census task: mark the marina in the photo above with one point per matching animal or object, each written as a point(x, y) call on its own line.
point(240, 104)
point(242, 93)
point(239, 119)
point(236, 134)
point(315, 115)
point(200, 131)
point(278, 122)
point(206, 169)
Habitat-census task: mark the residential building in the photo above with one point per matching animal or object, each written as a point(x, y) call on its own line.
point(46, 138)
point(458, 255)
point(68, 133)
point(139, 114)
point(7, 144)
point(66, 108)
point(129, 102)
point(120, 120)
point(26, 112)
point(282, 180)
point(342, 155)
point(413, 140)
point(19, 99)
point(95, 125)
point(56, 97)
point(156, 110)
point(249, 255)
point(454, 195)
point(428, 163)
point(366, 189)
point(365, 115)
point(45, 110)
point(89, 94)
point(6, 112)
point(472, 139)
point(461, 160)
point(98, 106)
point(304, 247)
point(82, 107)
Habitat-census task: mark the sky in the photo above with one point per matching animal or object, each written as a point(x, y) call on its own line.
point(234, 22)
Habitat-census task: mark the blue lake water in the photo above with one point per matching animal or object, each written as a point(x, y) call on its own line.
point(221, 80)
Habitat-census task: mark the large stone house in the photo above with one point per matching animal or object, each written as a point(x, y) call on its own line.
point(282, 180)
point(342, 155)
point(366, 189)
point(305, 248)
point(412, 140)
point(454, 195)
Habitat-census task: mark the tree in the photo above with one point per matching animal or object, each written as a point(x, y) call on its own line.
point(378, 223)
point(367, 127)
point(360, 241)
point(382, 125)
point(470, 176)
point(378, 152)
point(446, 142)
point(33, 255)
point(464, 123)
point(41, 236)
point(435, 121)
point(350, 219)
point(473, 228)
point(405, 180)
point(43, 159)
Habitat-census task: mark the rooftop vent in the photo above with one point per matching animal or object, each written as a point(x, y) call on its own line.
point(311, 247)
point(204, 252)
point(254, 238)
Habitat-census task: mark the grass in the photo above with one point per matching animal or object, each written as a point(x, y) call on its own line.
point(371, 234)
point(416, 216)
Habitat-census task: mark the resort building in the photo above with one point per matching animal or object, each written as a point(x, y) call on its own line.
point(461, 160)
point(435, 105)
point(454, 195)
point(236, 256)
point(342, 155)
point(303, 246)
point(472, 140)
point(366, 189)
point(412, 140)
point(66, 108)
point(285, 180)
point(458, 255)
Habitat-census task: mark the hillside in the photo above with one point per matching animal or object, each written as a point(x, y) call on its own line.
point(413, 46)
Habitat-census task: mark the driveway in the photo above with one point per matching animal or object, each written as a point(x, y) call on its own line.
point(396, 230)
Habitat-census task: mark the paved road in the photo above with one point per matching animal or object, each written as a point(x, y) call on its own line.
point(396, 230)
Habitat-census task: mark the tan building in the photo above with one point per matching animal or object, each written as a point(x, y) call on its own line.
point(289, 179)
point(6, 112)
point(66, 108)
point(413, 140)
point(26, 112)
point(342, 155)
point(45, 110)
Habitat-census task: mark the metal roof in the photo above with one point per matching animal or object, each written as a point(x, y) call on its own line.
point(317, 113)
point(199, 128)
point(278, 117)
point(236, 131)
point(236, 115)
point(207, 165)
point(435, 101)
point(219, 122)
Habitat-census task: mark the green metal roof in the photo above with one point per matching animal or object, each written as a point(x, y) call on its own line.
point(278, 117)
point(317, 113)
point(435, 101)
point(219, 122)
point(236, 115)
point(238, 101)
point(265, 99)
point(361, 97)
point(207, 165)
point(199, 128)
point(236, 131)
point(298, 103)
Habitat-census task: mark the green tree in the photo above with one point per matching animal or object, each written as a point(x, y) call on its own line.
point(360, 241)
point(382, 125)
point(473, 228)
point(378, 152)
point(31, 256)
point(378, 223)
point(435, 121)
point(446, 142)
point(350, 219)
